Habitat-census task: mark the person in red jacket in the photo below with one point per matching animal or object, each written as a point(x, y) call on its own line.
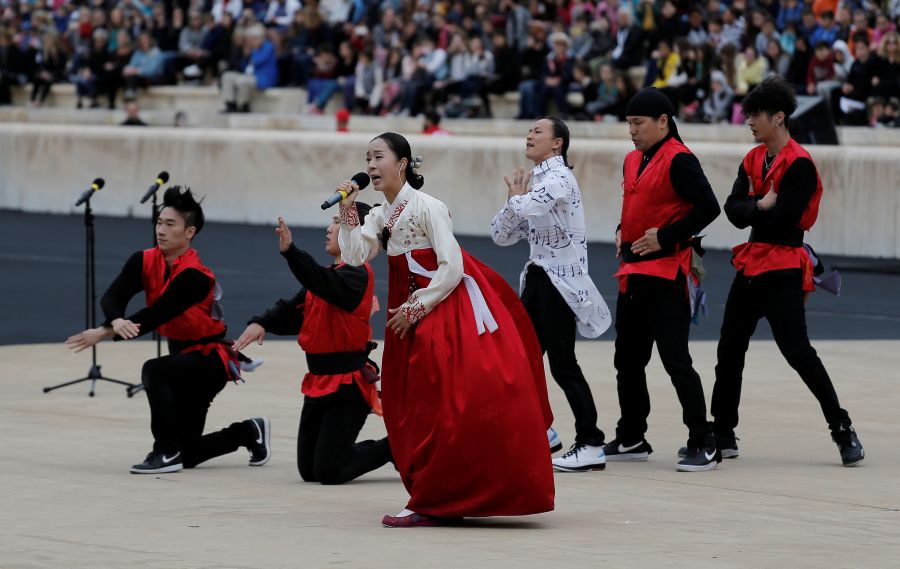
point(330, 317)
point(667, 200)
point(182, 303)
point(776, 193)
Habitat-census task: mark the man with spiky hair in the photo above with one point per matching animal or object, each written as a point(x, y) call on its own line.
point(776, 194)
point(182, 304)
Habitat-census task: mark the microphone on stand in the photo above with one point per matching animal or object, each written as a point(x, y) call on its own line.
point(161, 179)
point(95, 187)
point(361, 179)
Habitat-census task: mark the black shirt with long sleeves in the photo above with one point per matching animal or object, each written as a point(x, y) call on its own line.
point(778, 224)
point(343, 286)
point(691, 185)
point(187, 289)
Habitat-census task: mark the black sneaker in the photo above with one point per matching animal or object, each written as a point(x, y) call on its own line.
point(261, 448)
point(852, 452)
point(699, 460)
point(617, 451)
point(159, 462)
point(727, 446)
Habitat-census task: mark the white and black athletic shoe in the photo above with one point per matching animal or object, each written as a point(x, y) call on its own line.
point(699, 460)
point(159, 462)
point(726, 445)
point(261, 447)
point(581, 458)
point(554, 440)
point(618, 451)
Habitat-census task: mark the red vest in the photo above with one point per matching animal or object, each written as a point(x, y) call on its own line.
point(649, 200)
point(328, 329)
point(756, 258)
point(196, 322)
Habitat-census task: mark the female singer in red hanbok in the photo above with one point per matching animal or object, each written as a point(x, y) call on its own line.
point(463, 387)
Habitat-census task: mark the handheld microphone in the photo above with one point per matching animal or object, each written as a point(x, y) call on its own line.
point(361, 179)
point(95, 187)
point(161, 179)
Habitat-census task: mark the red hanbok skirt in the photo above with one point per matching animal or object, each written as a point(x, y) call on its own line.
point(467, 414)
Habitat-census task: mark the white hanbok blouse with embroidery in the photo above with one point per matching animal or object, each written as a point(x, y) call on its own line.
point(551, 218)
point(416, 220)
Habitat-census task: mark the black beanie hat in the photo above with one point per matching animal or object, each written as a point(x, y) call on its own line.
point(653, 103)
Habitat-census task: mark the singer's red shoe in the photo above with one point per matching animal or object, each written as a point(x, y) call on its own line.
point(417, 521)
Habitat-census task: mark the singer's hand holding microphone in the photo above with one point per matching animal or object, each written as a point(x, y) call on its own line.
point(346, 192)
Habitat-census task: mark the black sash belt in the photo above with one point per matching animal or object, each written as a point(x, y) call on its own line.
point(627, 256)
point(178, 346)
point(335, 362)
point(794, 238)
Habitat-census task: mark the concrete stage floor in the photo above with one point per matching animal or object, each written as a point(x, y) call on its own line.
point(69, 501)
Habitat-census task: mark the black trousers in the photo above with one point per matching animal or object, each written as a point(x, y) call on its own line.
point(654, 309)
point(327, 450)
point(554, 323)
point(180, 388)
point(776, 296)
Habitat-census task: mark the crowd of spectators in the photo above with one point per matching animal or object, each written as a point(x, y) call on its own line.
point(580, 59)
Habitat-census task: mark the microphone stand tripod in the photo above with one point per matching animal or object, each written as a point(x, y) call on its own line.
point(90, 302)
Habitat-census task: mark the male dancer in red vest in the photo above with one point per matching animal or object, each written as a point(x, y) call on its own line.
point(667, 200)
point(777, 194)
point(330, 317)
point(181, 304)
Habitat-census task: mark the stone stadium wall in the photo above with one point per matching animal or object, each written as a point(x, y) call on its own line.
point(253, 176)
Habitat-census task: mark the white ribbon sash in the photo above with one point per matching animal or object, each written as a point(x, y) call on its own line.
point(483, 317)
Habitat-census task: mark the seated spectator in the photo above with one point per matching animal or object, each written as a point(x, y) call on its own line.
point(611, 98)
point(346, 68)
point(790, 12)
point(664, 65)
point(479, 68)
point(432, 124)
point(559, 67)
point(850, 105)
point(280, 13)
point(324, 81)
point(766, 35)
point(259, 71)
point(827, 31)
point(603, 41)
point(717, 106)
point(821, 68)
point(146, 67)
point(779, 61)
point(886, 82)
point(88, 67)
point(507, 67)
point(697, 35)
point(751, 70)
point(192, 56)
point(421, 68)
point(13, 66)
point(368, 83)
point(733, 26)
point(629, 50)
point(798, 70)
point(49, 66)
point(217, 44)
point(883, 26)
point(132, 114)
point(582, 91)
point(809, 26)
point(860, 26)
